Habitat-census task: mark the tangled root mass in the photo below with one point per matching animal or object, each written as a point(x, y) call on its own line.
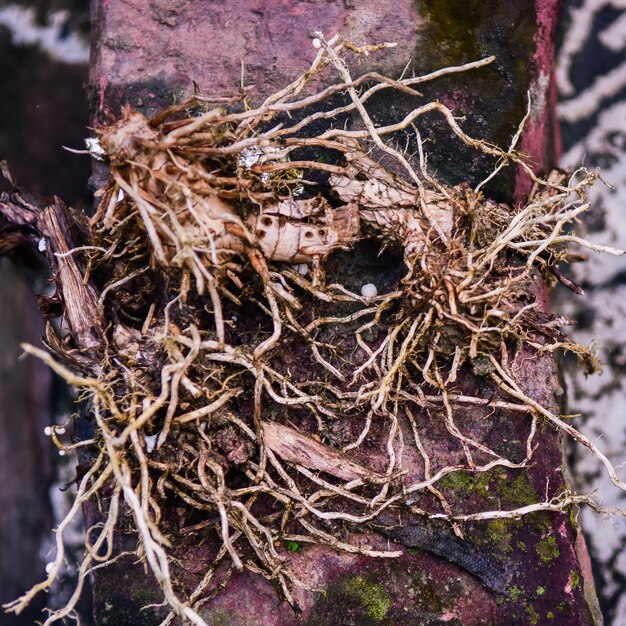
point(233, 366)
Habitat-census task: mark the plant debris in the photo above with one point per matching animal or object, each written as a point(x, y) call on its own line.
point(215, 244)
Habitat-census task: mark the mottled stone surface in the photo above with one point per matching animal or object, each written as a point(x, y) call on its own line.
point(149, 53)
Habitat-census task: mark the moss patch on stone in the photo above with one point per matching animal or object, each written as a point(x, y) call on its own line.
point(499, 533)
point(511, 491)
point(533, 616)
point(455, 32)
point(547, 549)
point(373, 597)
point(515, 593)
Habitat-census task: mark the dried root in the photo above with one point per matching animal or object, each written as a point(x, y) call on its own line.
point(217, 242)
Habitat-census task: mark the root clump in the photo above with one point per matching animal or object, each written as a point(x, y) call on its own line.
point(234, 376)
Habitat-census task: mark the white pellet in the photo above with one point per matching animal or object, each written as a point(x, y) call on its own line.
point(42, 245)
point(317, 43)
point(303, 269)
point(369, 290)
point(151, 442)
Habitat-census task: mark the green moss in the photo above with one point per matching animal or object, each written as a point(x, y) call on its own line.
point(220, 617)
point(540, 591)
point(564, 607)
point(504, 491)
point(511, 492)
point(499, 533)
point(122, 613)
point(547, 549)
point(533, 616)
point(371, 596)
point(457, 31)
point(353, 599)
point(515, 593)
point(549, 615)
point(463, 482)
point(574, 579)
point(455, 36)
point(223, 617)
point(518, 492)
point(572, 517)
point(427, 595)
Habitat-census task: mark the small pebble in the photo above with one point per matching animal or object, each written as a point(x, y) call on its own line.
point(303, 269)
point(96, 149)
point(151, 442)
point(369, 290)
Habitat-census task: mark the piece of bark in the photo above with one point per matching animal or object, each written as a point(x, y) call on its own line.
point(56, 229)
point(80, 299)
point(294, 447)
point(148, 53)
